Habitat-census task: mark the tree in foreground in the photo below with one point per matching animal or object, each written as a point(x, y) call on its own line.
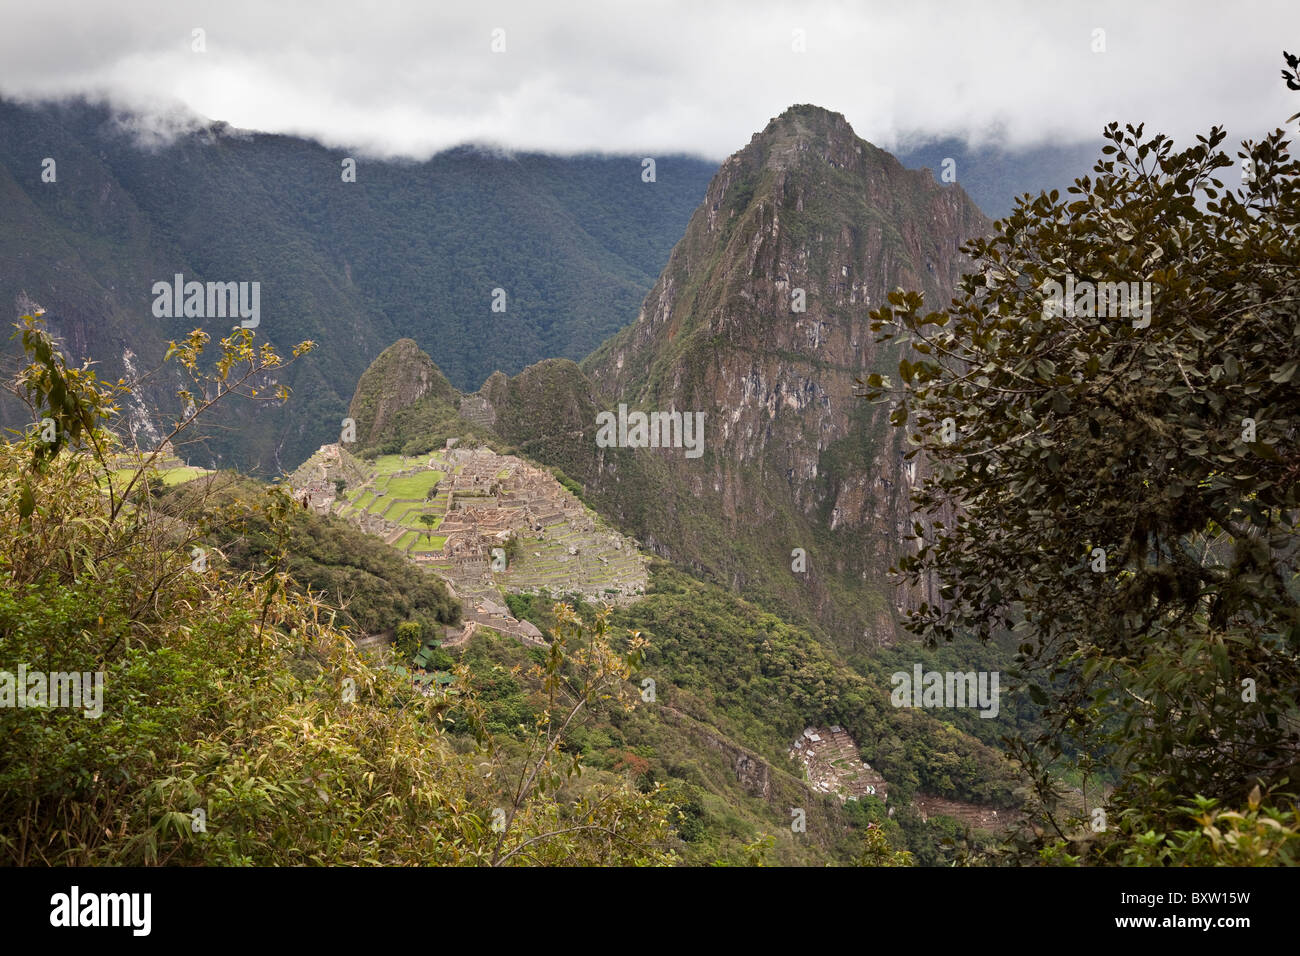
point(1107, 418)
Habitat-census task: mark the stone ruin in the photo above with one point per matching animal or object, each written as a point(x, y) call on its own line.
point(833, 764)
point(564, 547)
point(313, 481)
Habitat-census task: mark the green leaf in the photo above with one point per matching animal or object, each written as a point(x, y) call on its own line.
point(1286, 372)
point(26, 501)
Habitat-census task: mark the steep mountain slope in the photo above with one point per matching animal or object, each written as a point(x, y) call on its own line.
point(411, 249)
point(402, 391)
point(760, 322)
point(736, 683)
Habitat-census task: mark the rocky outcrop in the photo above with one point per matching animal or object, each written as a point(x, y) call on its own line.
point(761, 320)
point(800, 495)
point(752, 772)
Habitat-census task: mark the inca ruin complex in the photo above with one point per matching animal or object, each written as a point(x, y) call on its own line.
point(476, 501)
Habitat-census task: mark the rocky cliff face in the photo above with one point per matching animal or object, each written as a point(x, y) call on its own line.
point(799, 496)
point(761, 320)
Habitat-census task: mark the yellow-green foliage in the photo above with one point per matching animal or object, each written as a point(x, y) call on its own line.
point(1264, 832)
point(234, 694)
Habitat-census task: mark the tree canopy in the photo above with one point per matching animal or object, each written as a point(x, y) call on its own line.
point(1110, 471)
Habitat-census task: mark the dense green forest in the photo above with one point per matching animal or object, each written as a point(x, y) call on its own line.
point(411, 249)
point(722, 663)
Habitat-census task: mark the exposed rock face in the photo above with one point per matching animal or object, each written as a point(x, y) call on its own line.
point(761, 320)
point(752, 771)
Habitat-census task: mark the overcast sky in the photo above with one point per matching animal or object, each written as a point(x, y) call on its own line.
point(394, 78)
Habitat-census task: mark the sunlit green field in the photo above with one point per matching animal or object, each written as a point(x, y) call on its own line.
point(408, 515)
point(413, 486)
point(170, 476)
point(391, 464)
point(420, 543)
point(178, 476)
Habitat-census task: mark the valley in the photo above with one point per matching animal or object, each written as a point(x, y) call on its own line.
point(640, 505)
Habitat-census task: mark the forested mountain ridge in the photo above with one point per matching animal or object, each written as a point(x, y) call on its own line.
point(413, 249)
point(96, 206)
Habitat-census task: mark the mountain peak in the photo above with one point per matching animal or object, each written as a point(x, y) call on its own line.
point(808, 118)
point(396, 380)
point(763, 314)
point(805, 130)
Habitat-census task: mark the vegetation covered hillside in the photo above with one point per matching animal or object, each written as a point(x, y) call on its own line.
point(374, 588)
point(224, 716)
point(407, 249)
point(734, 685)
point(216, 599)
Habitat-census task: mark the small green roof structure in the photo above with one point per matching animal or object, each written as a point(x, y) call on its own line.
point(424, 657)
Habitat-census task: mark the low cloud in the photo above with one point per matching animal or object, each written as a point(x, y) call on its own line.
point(393, 79)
